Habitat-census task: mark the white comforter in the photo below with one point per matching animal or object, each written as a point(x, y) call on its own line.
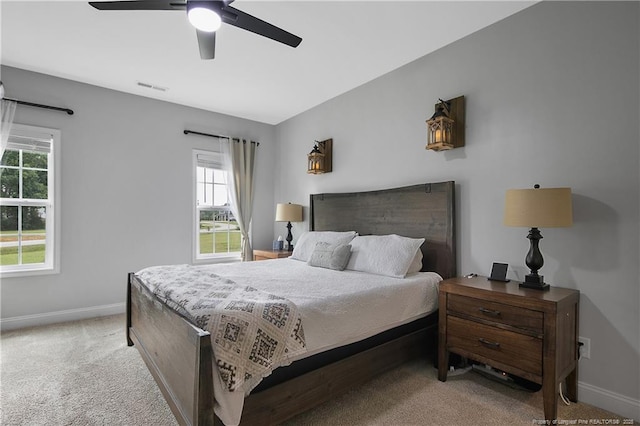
point(337, 307)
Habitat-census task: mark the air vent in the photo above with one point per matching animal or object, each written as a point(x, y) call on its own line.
point(152, 86)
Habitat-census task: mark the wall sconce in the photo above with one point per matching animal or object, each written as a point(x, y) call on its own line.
point(319, 159)
point(445, 128)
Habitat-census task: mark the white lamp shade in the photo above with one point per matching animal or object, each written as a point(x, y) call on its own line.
point(538, 208)
point(288, 212)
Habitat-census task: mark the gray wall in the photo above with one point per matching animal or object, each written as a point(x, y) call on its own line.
point(126, 189)
point(552, 98)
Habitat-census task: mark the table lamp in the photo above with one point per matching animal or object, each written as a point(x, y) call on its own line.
point(537, 208)
point(288, 213)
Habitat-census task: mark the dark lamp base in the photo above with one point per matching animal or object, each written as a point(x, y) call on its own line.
point(535, 282)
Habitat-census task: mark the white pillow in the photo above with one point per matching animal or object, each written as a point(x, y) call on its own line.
point(307, 242)
point(389, 255)
point(416, 263)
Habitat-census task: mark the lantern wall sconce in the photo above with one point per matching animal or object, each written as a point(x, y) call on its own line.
point(319, 159)
point(445, 128)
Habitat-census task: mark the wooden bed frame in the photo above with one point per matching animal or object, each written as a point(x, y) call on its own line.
point(179, 355)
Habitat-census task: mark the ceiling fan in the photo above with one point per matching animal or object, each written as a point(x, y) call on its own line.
point(207, 16)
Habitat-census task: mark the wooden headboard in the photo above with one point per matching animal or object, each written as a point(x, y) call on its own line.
point(417, 211)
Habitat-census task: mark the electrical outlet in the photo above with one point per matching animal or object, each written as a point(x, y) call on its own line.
point(585, 349)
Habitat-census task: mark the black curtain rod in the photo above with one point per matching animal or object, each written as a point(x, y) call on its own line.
point(186, 132)
point(31, 104)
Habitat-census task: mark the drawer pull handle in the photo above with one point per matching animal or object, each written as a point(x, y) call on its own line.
point(493, 345)
point(489, 312)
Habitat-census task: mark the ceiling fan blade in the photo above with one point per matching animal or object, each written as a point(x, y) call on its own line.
point(139, 5)
point(237, 18)
point(207, 44)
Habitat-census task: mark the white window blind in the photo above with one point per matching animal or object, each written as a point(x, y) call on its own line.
point(36, 142)
point(212, 160)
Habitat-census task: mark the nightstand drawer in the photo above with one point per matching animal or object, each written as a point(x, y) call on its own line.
point(496, 312)
point(518, 350)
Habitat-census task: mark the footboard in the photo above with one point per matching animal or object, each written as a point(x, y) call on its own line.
point(177, 353)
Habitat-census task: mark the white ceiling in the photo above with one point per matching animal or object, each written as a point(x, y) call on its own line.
point(345, 44)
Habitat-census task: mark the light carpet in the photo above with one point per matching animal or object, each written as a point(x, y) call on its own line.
point(83, 373)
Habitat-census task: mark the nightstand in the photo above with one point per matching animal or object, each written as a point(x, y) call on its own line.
point(532, 334)
point(270, 254)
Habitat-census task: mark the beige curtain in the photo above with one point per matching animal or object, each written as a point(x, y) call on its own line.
point(7, 111)
point(240, 158)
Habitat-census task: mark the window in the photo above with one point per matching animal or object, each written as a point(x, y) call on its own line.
point(27, 202)
point(216, 230)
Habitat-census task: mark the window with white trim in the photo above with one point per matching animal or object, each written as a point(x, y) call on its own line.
point(27, 202)
point(216, 232)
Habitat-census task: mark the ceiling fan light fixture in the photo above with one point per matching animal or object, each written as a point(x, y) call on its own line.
point(204, 19)
point(207, 17)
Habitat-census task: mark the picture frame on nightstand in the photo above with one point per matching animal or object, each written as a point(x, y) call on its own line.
point(499, 272)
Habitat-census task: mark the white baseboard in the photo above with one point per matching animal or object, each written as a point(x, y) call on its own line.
point(61, 316)
point(616, 403)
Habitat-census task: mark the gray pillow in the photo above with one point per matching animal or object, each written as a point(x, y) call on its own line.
point(330, 256)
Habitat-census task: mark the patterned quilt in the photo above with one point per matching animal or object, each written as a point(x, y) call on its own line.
point(252, 332)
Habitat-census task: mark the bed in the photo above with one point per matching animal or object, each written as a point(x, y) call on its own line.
point(179, 354)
